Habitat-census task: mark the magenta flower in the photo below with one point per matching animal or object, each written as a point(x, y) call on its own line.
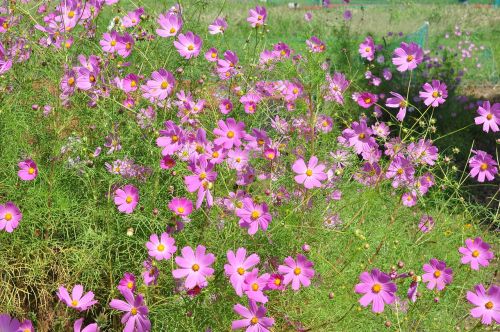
point(436, 274)
point(367, 49)
point(255, 285)
point(409, 199)
point(161, 248)
point(275, 282)
point(359, 136)
point(426, 223)
point(10, 216)
point(212, 55)
point(136, 312)
point(366, 99)
point(434, 94)
point(238, 266)
point(298, 272)
point(128, 281)
point(423, 152)
point(378, 289)
point(181, 206)
point(150, 273)
point(336, 87)
point(257, 16)
point(483, 166)
point(188, 45)
point(254, 318)
point(202, 180)
point(8, 324)
point(125, 45)
point(400, 102)
point(109, 41)
point(315, 45)
point(407, 56)
point(229, 133)
point(487, 303)
point(250, 101)
point(171, 138)
point(127, 198)
point(476, 253)
point(77, 300)
point(219, 25)
point(170, 25)
point(253, 215)
point(27, 170)
point(489, 116)
point(400, 170)
point(77, 327)
point(160, 86)
point(194, 266)
point(225, 106)
point(311, 175)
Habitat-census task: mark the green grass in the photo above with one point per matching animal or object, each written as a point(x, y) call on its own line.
point(72, 233)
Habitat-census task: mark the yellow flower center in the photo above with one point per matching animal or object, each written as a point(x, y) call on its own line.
point(403, 103)
point(376, 288)
point(277, 281)
point(31, 170)
point(254, 320)
point(251, 108)
point(259, 17)
point(489, 116)
point(435, 94)
point(133, 311)
point(133, 84)
point(130, 285)
point(128, 46)
point(92, 78)
point(164, 85)
point(113, 43)
point(71, 81)
point(309, 172)
point(255, 286)
point(475, 253)
point(230, 134)
point(67, 44)
point(71, 14)
point(203, 175)
point(489, 305)
point(324, 123)
point(190, 47)
point(238, 159)
point(240, 271)
point(172, 30)
point(128, 199)
point(195, 267)
point(180, 209)
point(368, 100)
point(255, 214)
point(368, 49)
point(409, 58)
point(362, 136)
point(437, 274)
point(484, 166)
point(5, 25)
point(8, 216)
point(400, 171)
point(297, 271)
point(160, 247)
point(295, 91)
point(215, 154)
point(74, 303)
point(213, 55)
point(238, 204)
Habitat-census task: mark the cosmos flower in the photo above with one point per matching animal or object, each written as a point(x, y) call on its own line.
point(253, 215)
point(257, 16)
point(489, 116)
point(400, 170)
point(10, 216)
point(202, 179)
point(315, 45)
point(435, 94)
point(255, 285)
point(437, 275)
point(487, 303)
point(128, 281)
point(212, 55)
point(359, 136)
point(407, 56)
point(298, 272)
point(77, 327)
point(238, 266)
point(367, 49)
point(170, 25)
point(219, 25)
point(400, 102)
point(160, 86)
point(188, 45)
point(378, 289)
point(77, 300)
point(136, 312)
point(127, 198)
point(229, 133)
point(426, 223)
point(476, 253)
point(181, 206)
point(309, 175)
point(28, 170)
point(162, 247)
point(194, 266)
point(483, 166)
point(254, 318)
point(366, 99)
point(336, 87)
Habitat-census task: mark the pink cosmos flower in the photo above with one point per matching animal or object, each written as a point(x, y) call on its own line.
point(194, 266)
point(426, 223)
point(150, 273)
point(336, 87)
point(127, 198)
point(436, 274)
point(125, 45)
point(311, 175)
point(109, 41)
point(212, 55)
point(400, 102)
point(315, 45)
point(128, 281)
point(366, 99)
point(77, 300)
point(257, 16)
point(434, 94)
point(136, 312)
point(400, 170)
point(171, 138)
point(409, 199)
point(253, 215)
point(250, 101)
point(27, 170)
point(254, 318)
point(217, 26)
point(161, 248)
point(423, 152)
point(188, 45)
point(487, 303)
point(483, 166)
point(229, 133)
point(202, 180)
point(225, 106)
point(77, 327)
point(489, 116)
point(298, 272)
point(255, 285)
point(407, 56)
point(275, 282)
point(476, 253)
point(170, 25)
point(238, 266)
point(378, 289)
point(367, 49)
point(160, 86)
point(10, 216)
point(132, 18)
point(181, 206)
